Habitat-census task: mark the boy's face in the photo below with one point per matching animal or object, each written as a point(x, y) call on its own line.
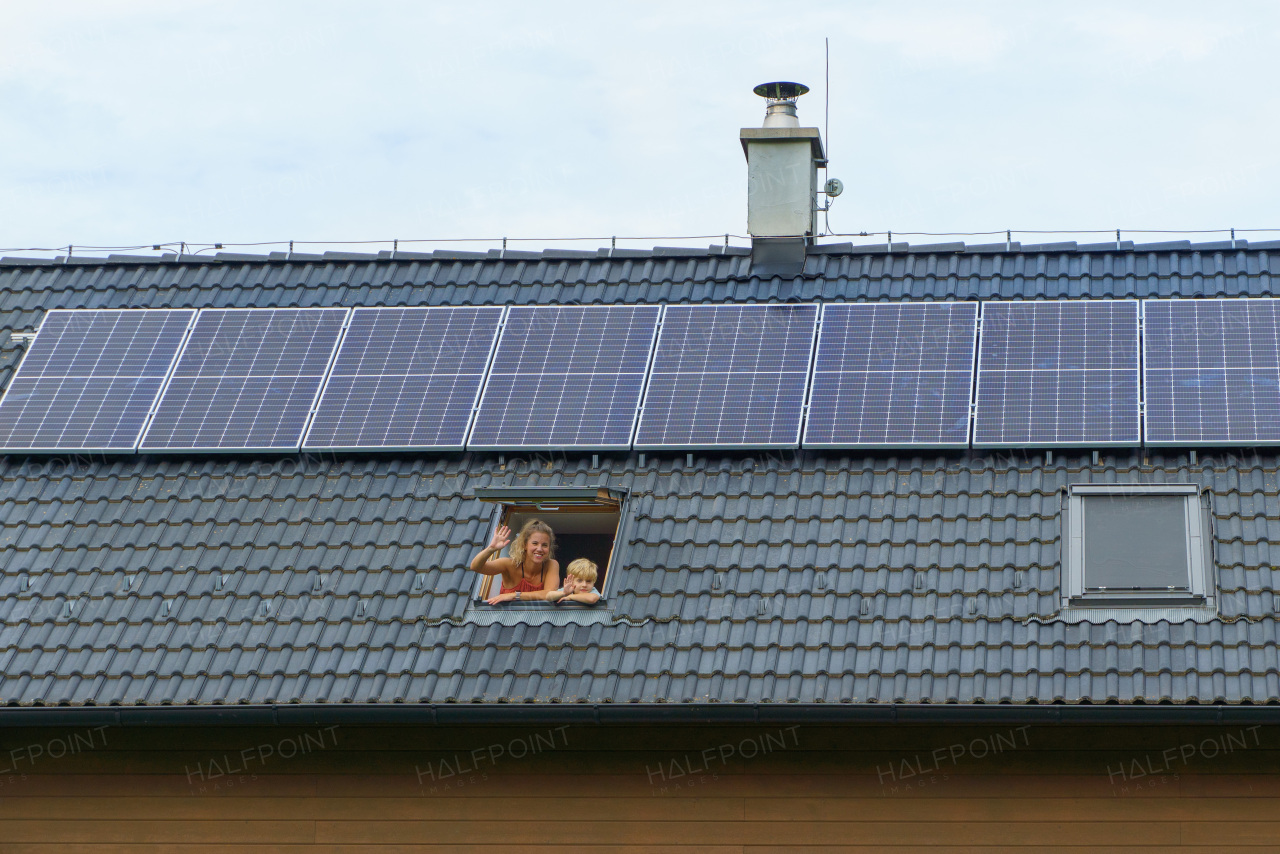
point(576, 585)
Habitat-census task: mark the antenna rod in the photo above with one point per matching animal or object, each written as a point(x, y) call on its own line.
point(826, 121)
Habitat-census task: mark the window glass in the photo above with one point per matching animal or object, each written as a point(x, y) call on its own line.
point(1135, 542)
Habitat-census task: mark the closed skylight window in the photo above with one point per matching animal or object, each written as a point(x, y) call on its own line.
point(1137, 545)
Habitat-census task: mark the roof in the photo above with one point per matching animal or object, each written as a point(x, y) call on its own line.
point(766, 578)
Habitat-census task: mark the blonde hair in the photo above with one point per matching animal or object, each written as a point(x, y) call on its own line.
point(533, 526)
point(583, 570)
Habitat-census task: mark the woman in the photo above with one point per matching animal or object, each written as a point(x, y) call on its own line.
point(531, 572)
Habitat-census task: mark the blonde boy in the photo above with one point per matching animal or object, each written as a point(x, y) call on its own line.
point(579, 584)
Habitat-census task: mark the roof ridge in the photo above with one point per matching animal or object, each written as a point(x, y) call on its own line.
point(613, 254)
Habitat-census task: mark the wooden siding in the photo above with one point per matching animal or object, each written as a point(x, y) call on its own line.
point(580, 789)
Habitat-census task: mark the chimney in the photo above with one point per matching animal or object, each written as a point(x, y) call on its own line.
point(782, 182)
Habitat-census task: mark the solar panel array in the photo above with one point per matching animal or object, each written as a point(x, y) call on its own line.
point(893, 374)
point(1212, 371)
point(729, 376)
point(1049, 373)
point(246, 380)
point(1060, 373)
point(405, 378)
point(566, 377)
point(90, 379)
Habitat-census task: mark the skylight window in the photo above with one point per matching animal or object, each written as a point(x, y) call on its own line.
point(585, 520)
point(1137, 546)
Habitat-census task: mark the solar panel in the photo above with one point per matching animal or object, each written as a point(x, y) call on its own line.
point(893, 375)
point(1061, 373)
point(90, 379)
point(405, 378)
point(246, 380)
point(1212, 371)
point(728, 376)
point(566, 377)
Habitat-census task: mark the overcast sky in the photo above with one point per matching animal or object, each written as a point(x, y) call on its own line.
point(141, 122)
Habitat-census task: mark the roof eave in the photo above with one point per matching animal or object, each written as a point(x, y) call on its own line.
point(445, 714)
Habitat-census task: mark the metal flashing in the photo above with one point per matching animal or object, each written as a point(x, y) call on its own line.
point(1151, 615)
point(552, 615)
point(563, 495)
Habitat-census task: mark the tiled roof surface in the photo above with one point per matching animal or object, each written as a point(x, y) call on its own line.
point(773, 577)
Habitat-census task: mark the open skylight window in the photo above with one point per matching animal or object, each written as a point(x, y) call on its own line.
point(585, 520)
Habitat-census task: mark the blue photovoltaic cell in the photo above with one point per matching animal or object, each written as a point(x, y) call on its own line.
point(246, 380)
point(90, 379)
point(893, 375)
point(405, 378)
point(566, 377)
point(728, 376)
point(1212, 371)
point(1061, 373)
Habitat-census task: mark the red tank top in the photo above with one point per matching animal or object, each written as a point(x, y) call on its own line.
point(524, 585)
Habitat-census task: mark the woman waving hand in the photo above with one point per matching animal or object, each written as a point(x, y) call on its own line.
point(531, 572)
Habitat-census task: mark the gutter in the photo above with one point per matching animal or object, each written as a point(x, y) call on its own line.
point(450, 714)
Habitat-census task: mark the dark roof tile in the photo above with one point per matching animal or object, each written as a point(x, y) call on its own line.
point(745, 579)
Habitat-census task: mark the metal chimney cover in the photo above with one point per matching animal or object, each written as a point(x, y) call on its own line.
point(781, 90)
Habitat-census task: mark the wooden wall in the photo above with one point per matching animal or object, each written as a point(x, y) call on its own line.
point(578, 789)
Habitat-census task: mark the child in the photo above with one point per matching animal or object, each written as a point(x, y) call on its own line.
point(579, 584)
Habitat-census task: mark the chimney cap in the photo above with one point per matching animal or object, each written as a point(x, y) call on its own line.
point(781, 90)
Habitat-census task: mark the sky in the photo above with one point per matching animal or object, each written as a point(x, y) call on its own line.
point(138, 122)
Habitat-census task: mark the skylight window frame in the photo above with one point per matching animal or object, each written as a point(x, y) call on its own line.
point(547, 502)
point(1201, 585)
